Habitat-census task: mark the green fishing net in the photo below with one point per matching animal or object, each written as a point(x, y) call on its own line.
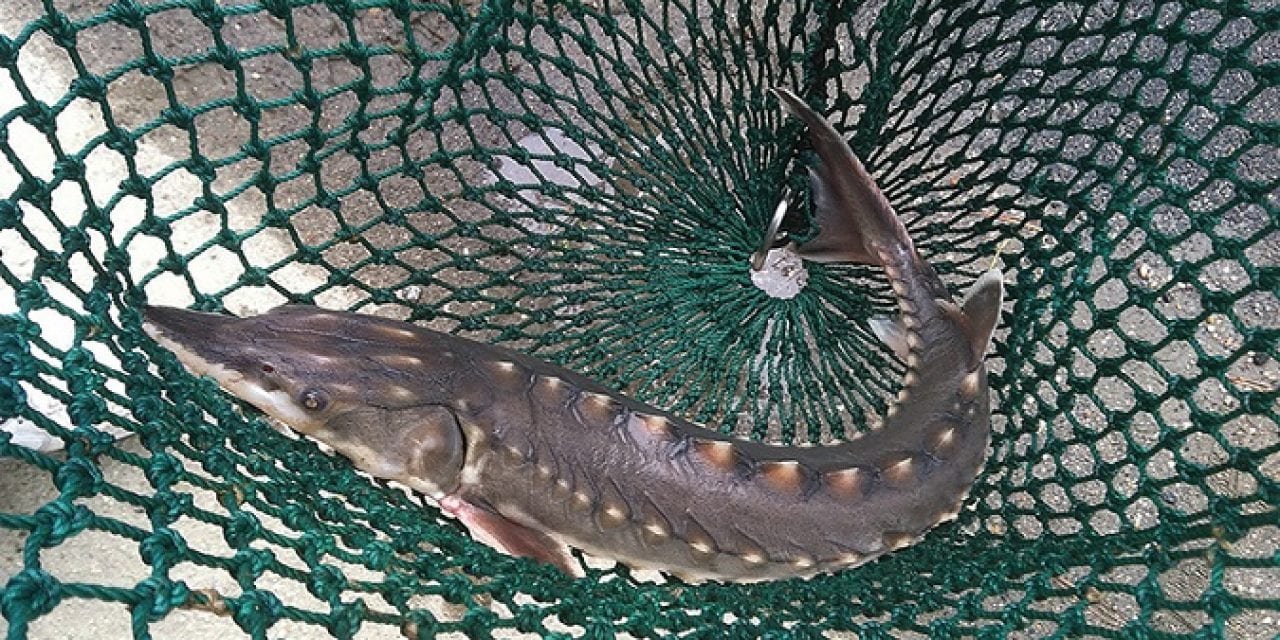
point(586, 181)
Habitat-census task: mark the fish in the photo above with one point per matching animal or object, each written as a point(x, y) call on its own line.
point(536, 460)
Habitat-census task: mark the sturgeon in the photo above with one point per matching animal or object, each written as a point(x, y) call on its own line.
point(534, 459)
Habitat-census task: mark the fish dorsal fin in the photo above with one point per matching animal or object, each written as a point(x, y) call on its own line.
point(981, 310)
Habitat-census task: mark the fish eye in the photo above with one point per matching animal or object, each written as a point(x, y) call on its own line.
point(267, 368)
point(314, 400)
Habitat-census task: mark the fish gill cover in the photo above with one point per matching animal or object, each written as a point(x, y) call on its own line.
point(586, 182)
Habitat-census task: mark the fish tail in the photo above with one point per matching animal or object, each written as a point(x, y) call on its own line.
point(855, 221)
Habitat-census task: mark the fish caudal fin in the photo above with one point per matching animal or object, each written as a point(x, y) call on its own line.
point(855, 221)
point(893, 333)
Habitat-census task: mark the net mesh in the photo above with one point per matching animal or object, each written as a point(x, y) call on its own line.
point(585, 181)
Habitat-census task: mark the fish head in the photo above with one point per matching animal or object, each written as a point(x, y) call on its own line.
point(270, 362)
point(354, 382)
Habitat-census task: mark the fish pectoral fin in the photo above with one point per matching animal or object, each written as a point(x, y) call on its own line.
point(512, 538)
point(981, 309)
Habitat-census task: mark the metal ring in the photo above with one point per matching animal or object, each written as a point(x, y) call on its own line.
point(771, 234)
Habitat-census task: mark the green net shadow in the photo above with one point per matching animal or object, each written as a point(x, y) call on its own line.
point(585, 182)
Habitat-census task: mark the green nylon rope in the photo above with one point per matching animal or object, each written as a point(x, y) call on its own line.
point(1118, 158)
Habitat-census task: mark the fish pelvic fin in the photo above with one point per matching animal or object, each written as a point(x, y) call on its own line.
point(507, 536)
point(855, 221)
